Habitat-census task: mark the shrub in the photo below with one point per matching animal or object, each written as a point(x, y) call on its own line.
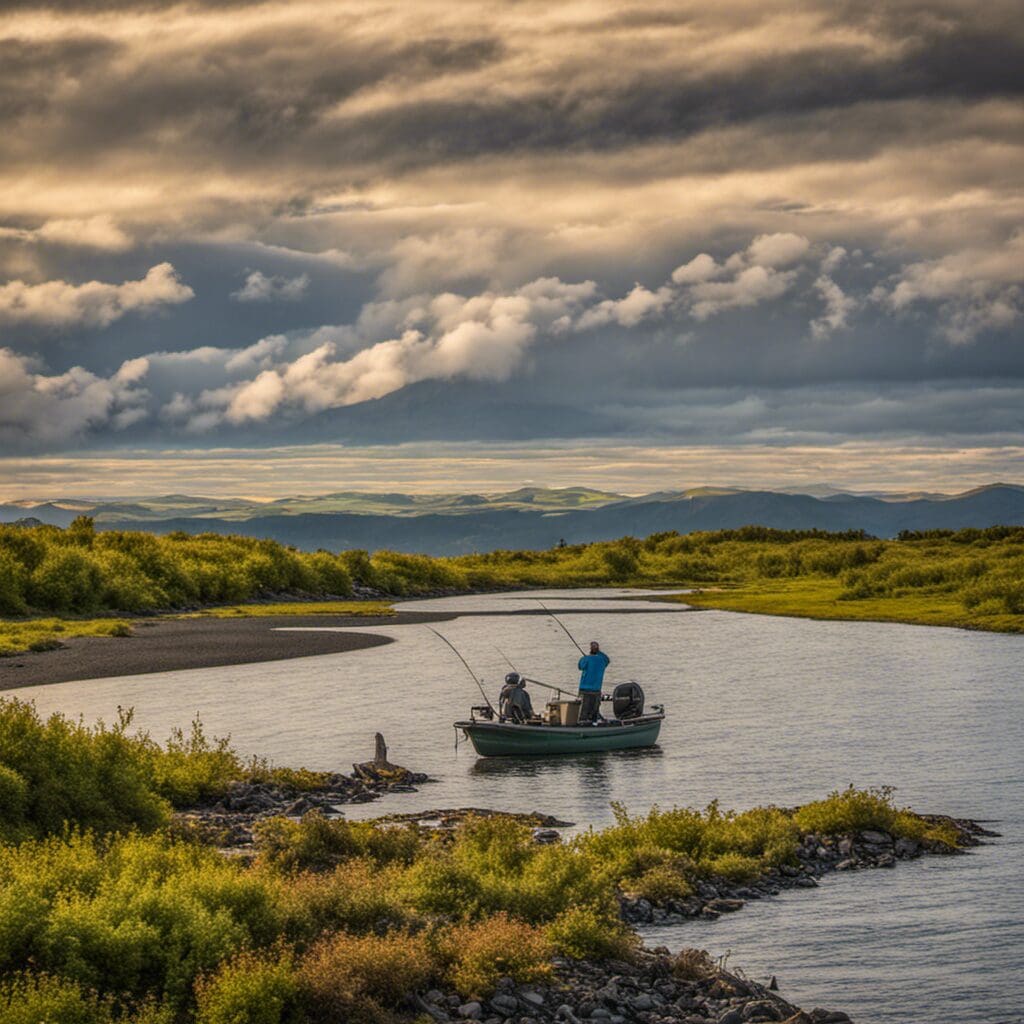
point(589, 933)
point(480, 953)
point(250, 989)
point(851, 810)
point(357, 896)
point(363, 979)
point(40, 999)
point(317, 843)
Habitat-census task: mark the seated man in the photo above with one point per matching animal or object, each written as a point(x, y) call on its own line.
point(592, 667)
point(514, 703)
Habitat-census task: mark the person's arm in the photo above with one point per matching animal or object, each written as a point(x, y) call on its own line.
point(607, 660)
point(583, 663)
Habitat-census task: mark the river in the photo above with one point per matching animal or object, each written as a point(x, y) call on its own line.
point(760, 710)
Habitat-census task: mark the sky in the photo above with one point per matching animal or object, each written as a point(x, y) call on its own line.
point(260, 248)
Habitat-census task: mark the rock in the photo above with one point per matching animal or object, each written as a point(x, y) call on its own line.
point(908, 848)
point(820, 1016)
point(874, 838)
point(806, 882)
point(726, 906)
point(531, 997)
point(846, 865)
point(546, 836)
point(505, 1004)
point(434, 996)
point(470, 1011)
point(709, 914)
point(564, 1012)
point(789, 871)
point(731, 1016)
point(600, 1013)
point(773, 985)
point(886, 860)
point(642, 1002)
point(761, 1010)
point(845, 846)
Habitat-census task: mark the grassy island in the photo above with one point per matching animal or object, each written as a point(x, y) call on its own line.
point(110, 911)
point(82, 582)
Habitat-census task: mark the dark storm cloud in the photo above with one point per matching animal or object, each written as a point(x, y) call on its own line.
point(266, 92)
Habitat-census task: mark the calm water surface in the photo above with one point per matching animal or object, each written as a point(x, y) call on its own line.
point(759, 710)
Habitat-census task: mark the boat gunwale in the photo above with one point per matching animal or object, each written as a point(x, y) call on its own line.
point(540, 728)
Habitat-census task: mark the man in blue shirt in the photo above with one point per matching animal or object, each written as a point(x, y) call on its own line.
point(592, 666)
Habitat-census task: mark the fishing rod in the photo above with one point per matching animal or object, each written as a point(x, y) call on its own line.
point(562, 624)
point(464, 662)
point(535, 682)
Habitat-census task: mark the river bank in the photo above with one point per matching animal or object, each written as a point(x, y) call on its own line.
point(174, 642)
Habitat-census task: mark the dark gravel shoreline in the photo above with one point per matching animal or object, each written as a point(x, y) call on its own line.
point(169, 644)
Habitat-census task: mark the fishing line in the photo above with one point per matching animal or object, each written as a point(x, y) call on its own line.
point(464, 662)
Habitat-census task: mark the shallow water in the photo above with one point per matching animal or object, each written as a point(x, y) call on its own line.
point(759, 710)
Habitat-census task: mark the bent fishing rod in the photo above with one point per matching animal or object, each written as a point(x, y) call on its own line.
point(535, 682)
point(464, 662)
point(562, 624)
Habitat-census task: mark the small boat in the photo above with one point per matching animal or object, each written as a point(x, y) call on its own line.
point(507, 739)
point(559, 731)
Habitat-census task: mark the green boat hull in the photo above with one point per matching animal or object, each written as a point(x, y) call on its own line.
point(503, 739)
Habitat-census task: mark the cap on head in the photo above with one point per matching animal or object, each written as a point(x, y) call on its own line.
point(595, 645)
point(513, 678)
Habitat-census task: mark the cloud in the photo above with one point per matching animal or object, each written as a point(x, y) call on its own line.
point(98, 232)
point(482, 337)
point(748, 288)
point(92, 304)
point(838, 307)
point(778, 250)
point(628, 311)
point(973, 291)
point(36, 409)
point(700, 268)
point(259, 287)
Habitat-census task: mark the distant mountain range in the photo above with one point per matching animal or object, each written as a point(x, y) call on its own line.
point(531, 517)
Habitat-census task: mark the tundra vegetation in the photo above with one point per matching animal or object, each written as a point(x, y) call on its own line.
point(970, 578)
point(108, 912)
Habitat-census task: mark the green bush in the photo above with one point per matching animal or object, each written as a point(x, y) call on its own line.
point(587, 933)
point(249, 989)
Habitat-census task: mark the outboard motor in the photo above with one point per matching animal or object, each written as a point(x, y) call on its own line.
point(628, 700)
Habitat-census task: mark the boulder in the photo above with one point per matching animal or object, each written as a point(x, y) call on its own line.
point(874, 838)
point(470, 1011)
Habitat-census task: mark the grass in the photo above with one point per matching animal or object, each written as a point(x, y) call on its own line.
point(19, 636)
point(816, 597)
point(249, 611)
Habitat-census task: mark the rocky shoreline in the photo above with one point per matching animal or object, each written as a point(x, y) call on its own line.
point(816, 856)
point(656, 988)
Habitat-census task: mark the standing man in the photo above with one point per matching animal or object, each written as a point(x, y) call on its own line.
point(592, 666)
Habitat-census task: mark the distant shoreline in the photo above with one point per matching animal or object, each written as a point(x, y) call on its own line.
point(174, 644)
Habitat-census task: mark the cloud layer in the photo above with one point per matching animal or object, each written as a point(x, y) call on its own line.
point(611, 214)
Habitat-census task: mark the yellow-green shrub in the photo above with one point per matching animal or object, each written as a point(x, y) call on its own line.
point(479, 953)
point(249, 989)
point(589, 933)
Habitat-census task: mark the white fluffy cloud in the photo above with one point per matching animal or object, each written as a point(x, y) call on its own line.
point(972, 290)
point(94, 303)
point(54, 409)
point(637, 305)
point(779, 250)
point(259, 287)
point(749, 287)
point(838, 307)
